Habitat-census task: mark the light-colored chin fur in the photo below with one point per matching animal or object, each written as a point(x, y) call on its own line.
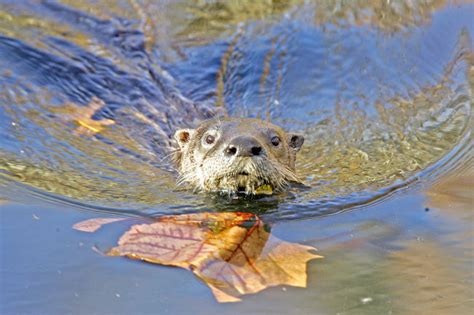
point(230, 177)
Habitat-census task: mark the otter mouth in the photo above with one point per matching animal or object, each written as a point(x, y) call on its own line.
point(248, 177)
point(242, 178)
point(241, 189)
point(243, 183)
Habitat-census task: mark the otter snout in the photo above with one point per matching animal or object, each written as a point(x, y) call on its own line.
point(243, 146)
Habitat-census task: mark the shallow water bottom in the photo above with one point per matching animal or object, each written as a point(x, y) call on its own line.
point(411, 254)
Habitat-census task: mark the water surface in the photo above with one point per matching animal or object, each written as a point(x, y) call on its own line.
point(382, 93)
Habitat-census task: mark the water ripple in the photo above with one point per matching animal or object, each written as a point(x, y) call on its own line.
point(385, 101)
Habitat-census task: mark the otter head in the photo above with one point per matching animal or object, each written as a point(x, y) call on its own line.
point(237, 155)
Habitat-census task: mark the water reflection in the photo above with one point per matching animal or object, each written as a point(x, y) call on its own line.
point(429, 273)
point(383, 96)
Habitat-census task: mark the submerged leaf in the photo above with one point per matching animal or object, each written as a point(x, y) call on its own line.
point(82, 116)
point(234, 253)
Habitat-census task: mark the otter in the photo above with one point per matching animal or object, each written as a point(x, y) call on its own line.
point(237, 155)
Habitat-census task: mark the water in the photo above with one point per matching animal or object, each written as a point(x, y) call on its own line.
point(382, 93)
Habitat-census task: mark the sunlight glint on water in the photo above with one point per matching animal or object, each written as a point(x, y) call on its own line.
point(381, 101)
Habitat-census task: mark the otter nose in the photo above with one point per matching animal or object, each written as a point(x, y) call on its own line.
point(243, 146)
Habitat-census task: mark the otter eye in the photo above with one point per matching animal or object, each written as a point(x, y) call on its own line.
point(276, 141)
point(210, 139)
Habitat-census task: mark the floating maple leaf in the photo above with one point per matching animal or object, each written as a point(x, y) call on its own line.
point(233, 253)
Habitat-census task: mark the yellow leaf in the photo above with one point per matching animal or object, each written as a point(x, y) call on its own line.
point(264, 190)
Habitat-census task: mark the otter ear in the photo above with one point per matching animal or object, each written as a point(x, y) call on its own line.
point(295, 141)
point(183, 136)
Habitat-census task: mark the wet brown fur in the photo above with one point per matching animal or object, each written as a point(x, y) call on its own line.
point(207, 168)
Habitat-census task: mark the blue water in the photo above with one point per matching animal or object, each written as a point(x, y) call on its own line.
point(382, 93)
